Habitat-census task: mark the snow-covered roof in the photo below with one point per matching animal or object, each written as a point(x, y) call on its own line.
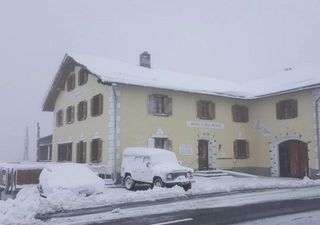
point(124, 73)
point(291, 79)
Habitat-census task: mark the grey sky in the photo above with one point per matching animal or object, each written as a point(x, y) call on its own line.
point(230, 39)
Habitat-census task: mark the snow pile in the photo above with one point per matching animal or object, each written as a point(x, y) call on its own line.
point(70, 177)
point(228, 184)
point(66, 200)
point(21, 210)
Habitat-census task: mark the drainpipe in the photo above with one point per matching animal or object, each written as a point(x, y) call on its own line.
point(318, 132)
point(115, 100)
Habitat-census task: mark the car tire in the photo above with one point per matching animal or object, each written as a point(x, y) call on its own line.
point(187, 187)
point(129, 182)
point(158, 183)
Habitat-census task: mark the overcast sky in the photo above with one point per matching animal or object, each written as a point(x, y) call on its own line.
point(235, 40)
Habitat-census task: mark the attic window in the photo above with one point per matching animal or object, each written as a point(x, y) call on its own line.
point(71, 82)
point(82, 77)
point(287, 109)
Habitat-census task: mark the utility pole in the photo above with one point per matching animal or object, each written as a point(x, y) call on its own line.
point(26, 146)
point(38, 136)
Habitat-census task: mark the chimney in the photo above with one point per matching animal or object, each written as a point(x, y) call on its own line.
point(145, 59)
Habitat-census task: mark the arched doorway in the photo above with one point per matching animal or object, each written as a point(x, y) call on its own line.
point(293, 159)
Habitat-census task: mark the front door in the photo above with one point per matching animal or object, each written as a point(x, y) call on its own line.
point(293, 158)
point(203, 155)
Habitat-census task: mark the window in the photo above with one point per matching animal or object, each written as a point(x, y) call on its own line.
point(82, 110)
point(96, 151)
point(70, 114)
point(160, 105)
point(64, 152)
point(205, 110)
point(163, 143)
point(71, 82)
point(45, 153)
point(240, 113)
point(82, 77)
point(81, 152)
point(59, 118)
point(241, 149)
point(97, 105)
point(287, 109)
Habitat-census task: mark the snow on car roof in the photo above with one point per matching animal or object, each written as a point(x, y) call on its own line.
point(137, 151)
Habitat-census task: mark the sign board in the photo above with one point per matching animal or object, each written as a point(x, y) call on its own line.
point(205, 124)
point(185, 149)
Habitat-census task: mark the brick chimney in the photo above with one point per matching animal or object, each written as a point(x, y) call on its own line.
point(145, 59)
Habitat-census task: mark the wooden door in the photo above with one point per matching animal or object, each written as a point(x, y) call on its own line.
point(203, 155)
point(293, 158)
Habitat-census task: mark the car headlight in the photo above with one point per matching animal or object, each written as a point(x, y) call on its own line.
point(169, 176)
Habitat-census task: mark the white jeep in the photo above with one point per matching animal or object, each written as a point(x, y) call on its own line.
point(157, 167)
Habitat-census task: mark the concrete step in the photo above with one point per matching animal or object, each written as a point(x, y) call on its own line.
point(210, 173)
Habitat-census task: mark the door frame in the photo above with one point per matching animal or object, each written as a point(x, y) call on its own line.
point(274, 152)
point(211, 151)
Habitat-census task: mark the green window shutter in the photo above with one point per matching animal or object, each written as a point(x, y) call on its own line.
point(278, 111)
point(245, 114)
point(212, 110)
point(294, 104)
point(199, 109)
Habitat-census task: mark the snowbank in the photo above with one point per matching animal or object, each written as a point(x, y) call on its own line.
point(21, 210)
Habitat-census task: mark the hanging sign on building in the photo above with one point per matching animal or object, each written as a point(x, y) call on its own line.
point(205, 124)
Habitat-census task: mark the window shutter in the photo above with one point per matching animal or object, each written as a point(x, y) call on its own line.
point(168, 106)
point(234, 110)
point(151, 104)
point(235, 149)
point(212, 113)
point(245, 114)
point(99, 156)
point(91, 151)
point(100, 104)
point(84, 152)
point(78, 153)
point(199, 109)
point(278, 110)
point(92, 105)
point(294, 104)
point(150, 143)
point(84, 110)
point(168, 144)
point(247, 149)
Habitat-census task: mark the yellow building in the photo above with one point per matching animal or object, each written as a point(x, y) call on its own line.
point(268, 126)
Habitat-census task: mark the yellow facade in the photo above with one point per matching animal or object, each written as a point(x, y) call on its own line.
point(135, 126)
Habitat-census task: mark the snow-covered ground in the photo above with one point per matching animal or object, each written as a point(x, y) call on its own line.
point(28, 203)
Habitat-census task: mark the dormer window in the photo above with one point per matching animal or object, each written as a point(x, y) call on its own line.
point(71, 82)
point(82, 77)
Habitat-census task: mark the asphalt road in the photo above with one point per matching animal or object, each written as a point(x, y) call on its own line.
point(222, 215)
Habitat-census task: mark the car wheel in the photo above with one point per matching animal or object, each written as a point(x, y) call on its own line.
point(187, 187)
point(158, 183)
point(128, 182)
